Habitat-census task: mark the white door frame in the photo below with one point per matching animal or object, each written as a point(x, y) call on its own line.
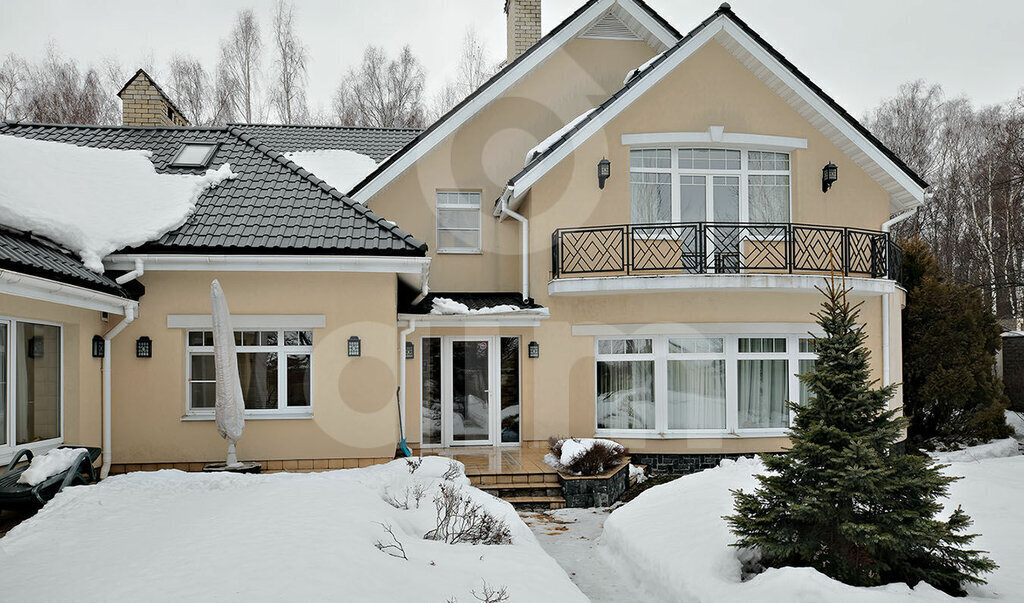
point(493, 389)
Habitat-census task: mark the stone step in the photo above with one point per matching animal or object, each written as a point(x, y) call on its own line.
point(518, 490)
point(478, 479)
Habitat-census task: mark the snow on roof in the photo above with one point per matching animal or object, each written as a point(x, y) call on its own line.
point(444, 305)
point(341, 168)
point(550, 140)
point(94, 201)
point(642, 68)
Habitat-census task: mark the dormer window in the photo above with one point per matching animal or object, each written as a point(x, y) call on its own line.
point(194, 155)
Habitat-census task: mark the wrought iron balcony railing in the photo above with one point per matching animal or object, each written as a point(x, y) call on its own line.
point(723, 248)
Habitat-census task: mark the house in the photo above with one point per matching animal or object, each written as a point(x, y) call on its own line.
point(619, 234)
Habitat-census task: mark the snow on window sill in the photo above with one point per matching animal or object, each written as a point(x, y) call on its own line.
point(209, 416)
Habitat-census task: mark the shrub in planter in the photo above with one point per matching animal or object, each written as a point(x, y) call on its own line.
point(584, 456)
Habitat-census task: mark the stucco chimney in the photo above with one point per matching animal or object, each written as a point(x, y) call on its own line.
point(522, 25)
point(143, 103)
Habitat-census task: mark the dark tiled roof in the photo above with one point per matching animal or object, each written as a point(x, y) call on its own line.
point(474, 300)
point(378, 143)
point(725, 10)
point(273, 206)
point(23, 252)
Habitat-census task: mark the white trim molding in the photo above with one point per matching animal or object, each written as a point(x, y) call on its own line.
point(716, 136)
point(681, 283)
point(709, 328)
point(269, 263)
point(42, 289)
point(254, 322)
point(521, 318)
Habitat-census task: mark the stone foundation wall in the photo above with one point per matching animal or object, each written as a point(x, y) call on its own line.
point(678, 464)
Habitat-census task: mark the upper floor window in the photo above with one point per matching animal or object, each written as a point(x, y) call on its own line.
point(458, 222)
point(708, 185)
point(275, 368)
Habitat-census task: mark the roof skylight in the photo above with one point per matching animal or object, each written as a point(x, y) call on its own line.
point(194, 155)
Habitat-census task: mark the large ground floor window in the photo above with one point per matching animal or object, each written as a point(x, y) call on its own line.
point(274, 366)
point(31, 384)
point(700, 384)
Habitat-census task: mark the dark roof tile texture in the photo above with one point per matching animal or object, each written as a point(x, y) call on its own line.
point(271, 207)
point(377, 143)
point(22, 252)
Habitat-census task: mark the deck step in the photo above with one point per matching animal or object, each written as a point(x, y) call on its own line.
point(507, 486)
point(487, 479)
point(550, 502)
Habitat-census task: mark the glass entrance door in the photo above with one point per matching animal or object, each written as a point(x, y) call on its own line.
point(471, 392)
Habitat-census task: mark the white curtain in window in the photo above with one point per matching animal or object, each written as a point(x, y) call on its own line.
point(625, 394)
point(651, 195)
point(763, 391)
point(696, 394)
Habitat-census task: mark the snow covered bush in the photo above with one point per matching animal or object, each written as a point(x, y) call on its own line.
point(584, 456)
point(841, 500)
point(459, 520)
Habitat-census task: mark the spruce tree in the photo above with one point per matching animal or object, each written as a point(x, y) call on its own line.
point(842, 500)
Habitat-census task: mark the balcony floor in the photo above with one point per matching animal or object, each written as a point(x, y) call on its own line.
point(681, 283)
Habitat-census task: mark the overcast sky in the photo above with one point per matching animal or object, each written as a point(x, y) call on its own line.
point(859, 52)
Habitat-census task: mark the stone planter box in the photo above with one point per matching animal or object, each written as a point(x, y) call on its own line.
point(595, 490)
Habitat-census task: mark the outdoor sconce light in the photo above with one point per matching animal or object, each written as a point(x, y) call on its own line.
point(533, 350)
point(410, 350)
point(97, 346)
point(604, 172)
point(829, 174)
point(355, 347)
point(143, 347)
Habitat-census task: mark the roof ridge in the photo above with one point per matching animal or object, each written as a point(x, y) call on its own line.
point(22, 123)
point(324, 186)
point(320, 126)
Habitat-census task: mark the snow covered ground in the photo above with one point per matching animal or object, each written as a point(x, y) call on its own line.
point(174, 536)
point(673, 537)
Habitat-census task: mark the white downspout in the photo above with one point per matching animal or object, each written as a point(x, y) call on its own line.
point(505, 211)
point(886, 351)
point(108, 455)
point(401, 377)
point(134, 274)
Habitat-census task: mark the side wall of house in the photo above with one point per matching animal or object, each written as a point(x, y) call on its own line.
point(354, 402)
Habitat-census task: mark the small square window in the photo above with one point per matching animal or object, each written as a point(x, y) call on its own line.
point(195, 155)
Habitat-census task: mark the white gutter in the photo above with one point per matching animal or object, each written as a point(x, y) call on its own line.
point(401, 378)
point(505, 211)
point(42, 289)
point(134, 274)
point(269, 263)
point(108, 454)
point(886, 352)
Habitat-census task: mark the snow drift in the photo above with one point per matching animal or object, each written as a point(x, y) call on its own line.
point(94, 201)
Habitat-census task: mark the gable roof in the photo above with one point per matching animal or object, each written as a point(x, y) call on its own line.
point(377, 143)
point(905, 186)
point(575, 24)
point(272, 206)
point(28, 254)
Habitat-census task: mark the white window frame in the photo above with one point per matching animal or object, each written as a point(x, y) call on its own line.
point(661, 355)
point(743, 173)
point(438, 206)
point(281, 350)
point(11, 447)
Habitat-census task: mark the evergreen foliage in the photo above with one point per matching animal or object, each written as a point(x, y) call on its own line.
point(951, 394)
point(841, 500)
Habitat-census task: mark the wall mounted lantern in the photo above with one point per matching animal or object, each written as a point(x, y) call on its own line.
point(604, 172)
point(97, 346)
point(410, 350)
point(533, 350)
point(143, 347)
point(355, 347)
point(829, 174)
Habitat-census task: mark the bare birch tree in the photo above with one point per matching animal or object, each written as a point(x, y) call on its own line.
point(288, 92)
point(241, 56)
point(382, 93)
point(57, 91)
point(13, 73)
point(190, 87)
point(475, 68)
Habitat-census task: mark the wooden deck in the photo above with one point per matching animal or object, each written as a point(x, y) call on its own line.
point(517, 474)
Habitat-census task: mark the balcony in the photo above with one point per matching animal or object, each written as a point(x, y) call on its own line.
point(787, 256)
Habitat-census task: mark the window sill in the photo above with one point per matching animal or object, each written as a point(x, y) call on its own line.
point(460, 252)
point(250, 416)
point(647, 434)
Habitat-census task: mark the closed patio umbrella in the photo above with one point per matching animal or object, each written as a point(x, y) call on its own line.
point(230, 407)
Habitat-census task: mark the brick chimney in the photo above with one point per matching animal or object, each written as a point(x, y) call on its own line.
point(144, 103)
point(522, 24)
